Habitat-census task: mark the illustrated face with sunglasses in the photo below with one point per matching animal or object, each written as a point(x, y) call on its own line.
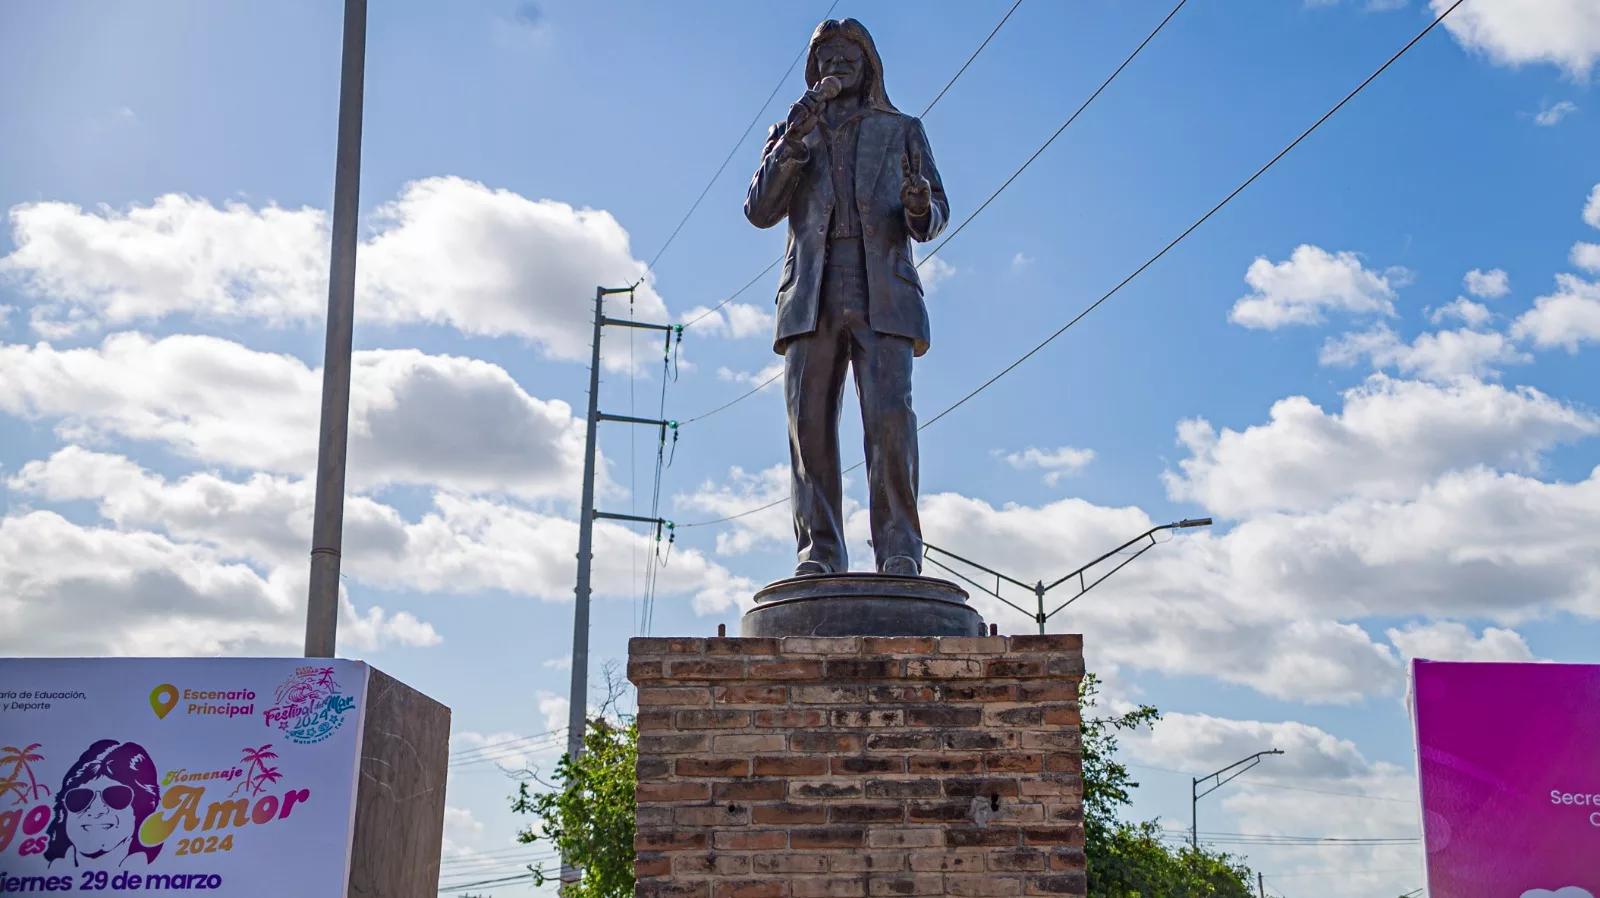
point(100, 816)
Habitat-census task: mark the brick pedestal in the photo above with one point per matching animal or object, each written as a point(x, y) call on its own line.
point(854, 767)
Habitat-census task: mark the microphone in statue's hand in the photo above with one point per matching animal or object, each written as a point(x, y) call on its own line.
point(827, 88)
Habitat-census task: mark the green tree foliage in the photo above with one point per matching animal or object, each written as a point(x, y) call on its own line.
point(587, 813)
point(1129, 860)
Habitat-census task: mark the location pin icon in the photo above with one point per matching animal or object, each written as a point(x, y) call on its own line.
point(163, 699)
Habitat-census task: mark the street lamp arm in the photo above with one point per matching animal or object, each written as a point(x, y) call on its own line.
point(1082, 589)
point(929, 547)
point(975, 584)
point(1237, 768)
point(1148, 534)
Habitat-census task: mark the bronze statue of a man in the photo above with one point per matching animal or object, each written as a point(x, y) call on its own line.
point(856, 179)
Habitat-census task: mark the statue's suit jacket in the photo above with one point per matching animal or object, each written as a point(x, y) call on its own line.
point(802, 191)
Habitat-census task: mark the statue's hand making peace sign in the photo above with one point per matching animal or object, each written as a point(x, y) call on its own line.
point(915, 191)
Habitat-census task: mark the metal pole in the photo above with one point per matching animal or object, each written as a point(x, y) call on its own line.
point(1261, 885)
point(322, 604)
point(1038, 593)
point(1194, 814)
point(580, 616)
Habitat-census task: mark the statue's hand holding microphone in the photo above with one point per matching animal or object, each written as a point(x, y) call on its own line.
point(915, 191)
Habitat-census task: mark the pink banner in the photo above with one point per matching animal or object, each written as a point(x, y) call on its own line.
point(1509, 767)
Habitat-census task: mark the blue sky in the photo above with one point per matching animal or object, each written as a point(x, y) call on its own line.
point(1375, 368)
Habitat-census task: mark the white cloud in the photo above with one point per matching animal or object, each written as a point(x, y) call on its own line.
point(1567, 318)
point(414, 418)
point(1591, 209)
point(460, 825)
point(737, 320)
point(77, 590)
point(1550, 116)
point(1586, 256)
point(1472, 314)
point(1311, 282)
point(447, 251)
point(1563, 33)
point(1453, 641)
point(1434, 355)
point(1491, 284)
point(1391, 438)
point(1066, 461)
point(1020, 261)
point(934, 271)
point(772, 370)
point(562, 663)
point(741, 491)
point(554, 708)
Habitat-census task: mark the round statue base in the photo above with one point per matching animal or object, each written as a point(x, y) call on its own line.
point(862, 605)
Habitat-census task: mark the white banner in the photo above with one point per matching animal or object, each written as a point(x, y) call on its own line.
point(231, 776)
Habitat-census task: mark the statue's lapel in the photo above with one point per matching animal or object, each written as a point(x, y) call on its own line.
point(817, 146)
point(877, 132)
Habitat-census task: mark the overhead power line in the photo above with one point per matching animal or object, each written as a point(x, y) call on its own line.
point(729, 158)
point(1148, 262)
point(929, 108)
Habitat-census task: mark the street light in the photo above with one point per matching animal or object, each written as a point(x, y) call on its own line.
point(1039, 589)
point(1195, 795)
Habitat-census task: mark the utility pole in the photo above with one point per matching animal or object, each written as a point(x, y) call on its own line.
point(327, 528)
point(1261, 885)
point(1039, 588)
point(1195, 795)
point(577, 710)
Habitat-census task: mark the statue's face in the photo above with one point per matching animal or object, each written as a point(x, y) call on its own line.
point(843, 59)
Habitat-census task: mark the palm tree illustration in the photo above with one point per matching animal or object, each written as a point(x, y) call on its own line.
point(266, 776)
point(22, 759)
point(255, 759)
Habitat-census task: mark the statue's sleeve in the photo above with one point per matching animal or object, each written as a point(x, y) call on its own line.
point(767, 202)
point(923, 228)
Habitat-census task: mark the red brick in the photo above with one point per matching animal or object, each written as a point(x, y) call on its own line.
point(791, 766)
point(827, 887)
point(1015, 762)
point(713, 767)
point(942, 764)
point(654, 721)
point(824, 742)
point(1022, 716)
point(746, 744)
point(1053, 835)
point(1068, 859)
point(823, 790)
point(1063, 762)
point(943, 669)
point(783, 814)
point(944, 812)
point(1064, 813)
point(1069, 666)
point(828, 837)
point(711, 815)
point(968, 787)
point(866, 813)
point(861, 669)
point(866, 863)
point(982, 837)
point(902, 693)
point(791, 719)
point(749, 695)
point(750, 888)
point(674, 696)
point(1063, 715)
point(1052, 785)
point(828, 695)
point(972, 645)
point(867, 717)
point(922, 788)
point(712, 864)
point(899, 645)
point(1047, 692)
point(1020, 860)
point(741, 646)
point(904, 742)
point(978, 741)
point(946, 862)
point(922, 837)
point(974, 886)
point(862, 766)
point(1001, 668)
point(647, 792)
point(791, 863)
point(669, 889)
point(652, 769)
point(979, 692)
point(924, 884)
point(645, 645)
point(1068, 643)
point(709, 720)
point(821, 645)
point(752, 840)
point(652, 865)
point(1058, 884)
point(673, 744)
point(639, 671)
point(1055, 740)
point(670, 841)
point(696, 669)
point(749, 790)
point(943, 716)
point(785, 670)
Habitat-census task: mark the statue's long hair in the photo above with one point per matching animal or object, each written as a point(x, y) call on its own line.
point(872, 92)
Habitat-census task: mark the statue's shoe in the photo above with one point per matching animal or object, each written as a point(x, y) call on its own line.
point(812, 569)
point(901, 566)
